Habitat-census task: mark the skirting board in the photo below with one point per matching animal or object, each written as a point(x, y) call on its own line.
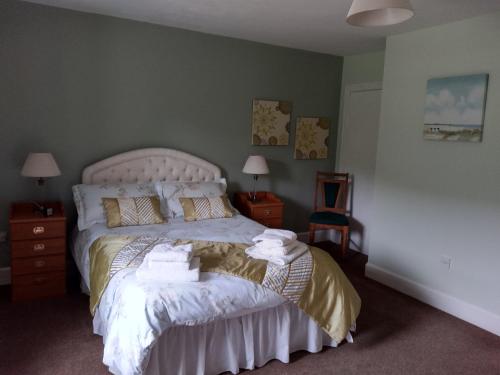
point(5, 276)
point(442, 301)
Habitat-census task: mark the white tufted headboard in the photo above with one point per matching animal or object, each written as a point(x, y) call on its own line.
point(150, 164)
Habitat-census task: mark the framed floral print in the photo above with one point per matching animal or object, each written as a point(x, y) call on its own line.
point(271, 122)
point(311, 138)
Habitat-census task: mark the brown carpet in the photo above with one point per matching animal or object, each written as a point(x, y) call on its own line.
point(396, 335)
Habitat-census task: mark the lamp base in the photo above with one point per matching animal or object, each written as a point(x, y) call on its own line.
point(45, 211)
point(253, 198)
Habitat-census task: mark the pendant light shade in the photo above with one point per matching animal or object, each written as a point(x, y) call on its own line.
point(379, 12)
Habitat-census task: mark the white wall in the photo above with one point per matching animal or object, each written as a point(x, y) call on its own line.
point(434, 198)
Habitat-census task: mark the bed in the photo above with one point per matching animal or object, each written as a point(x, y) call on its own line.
point(223, 323)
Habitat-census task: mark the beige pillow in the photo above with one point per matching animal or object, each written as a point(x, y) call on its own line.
point(206, 208)
point(121, 212)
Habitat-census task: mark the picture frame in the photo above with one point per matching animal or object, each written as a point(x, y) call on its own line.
point(271, 122)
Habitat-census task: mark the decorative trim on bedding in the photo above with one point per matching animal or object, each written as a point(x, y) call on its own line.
point(290, 280)
point(133, 254)
point(314, 282)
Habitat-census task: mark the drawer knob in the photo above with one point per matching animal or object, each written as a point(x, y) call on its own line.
point(39, 247)
point(267, 212)
point(38, 230)
point(39, 263)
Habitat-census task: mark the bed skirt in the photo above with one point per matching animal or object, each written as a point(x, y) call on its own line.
point(243, 342)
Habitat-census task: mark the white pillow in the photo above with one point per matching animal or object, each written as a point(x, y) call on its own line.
point(170, 192)
point(88, 199)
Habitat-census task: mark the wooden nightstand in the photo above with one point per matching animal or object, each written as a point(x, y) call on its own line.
point(38, 251)
point(267, 210)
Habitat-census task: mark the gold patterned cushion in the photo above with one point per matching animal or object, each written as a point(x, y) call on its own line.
point(206, 208)
point(121, 212)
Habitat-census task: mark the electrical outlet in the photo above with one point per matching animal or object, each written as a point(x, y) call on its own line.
point(3, 236)
point(446, 261)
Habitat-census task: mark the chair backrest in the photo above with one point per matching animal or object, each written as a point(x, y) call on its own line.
point(333, 189)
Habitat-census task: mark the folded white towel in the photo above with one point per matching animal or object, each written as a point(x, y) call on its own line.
point(167, 253)
point(257, 253)
point(155, 264)
point(276, 237)
point(145, 273)
point(276, 250)
point(282, 233)
point(272, 239)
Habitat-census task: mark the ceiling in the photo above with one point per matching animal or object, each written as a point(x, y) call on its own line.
point(314, 25)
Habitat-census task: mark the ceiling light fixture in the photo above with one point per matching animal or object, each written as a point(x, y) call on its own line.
point(379, 12)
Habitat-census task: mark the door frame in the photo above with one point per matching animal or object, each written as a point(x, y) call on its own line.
point(344, 119)
point(348, 91)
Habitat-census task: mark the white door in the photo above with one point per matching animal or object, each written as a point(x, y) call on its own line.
point(357, 147)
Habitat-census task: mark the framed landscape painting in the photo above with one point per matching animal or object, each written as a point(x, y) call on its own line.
point(271, 122)
point(454, 108)
point(311, 138)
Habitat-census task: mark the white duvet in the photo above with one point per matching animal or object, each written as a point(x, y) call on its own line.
point(133, 314)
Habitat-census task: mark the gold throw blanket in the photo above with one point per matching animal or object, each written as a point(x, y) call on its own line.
point(314, 281)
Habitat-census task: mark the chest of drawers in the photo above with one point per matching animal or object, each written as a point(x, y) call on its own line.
point(267, 209)
point(38, 251)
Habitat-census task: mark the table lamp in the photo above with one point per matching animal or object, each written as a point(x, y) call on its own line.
point(40, 165)
point(255, 165)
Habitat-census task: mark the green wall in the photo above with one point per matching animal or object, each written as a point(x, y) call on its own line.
point(439, 198)
point(85, 87)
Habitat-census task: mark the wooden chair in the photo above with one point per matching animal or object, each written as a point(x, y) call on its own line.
point(331, 213)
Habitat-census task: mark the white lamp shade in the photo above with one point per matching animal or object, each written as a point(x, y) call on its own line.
point(40, 165)
point(256, 164)
point(379, 12)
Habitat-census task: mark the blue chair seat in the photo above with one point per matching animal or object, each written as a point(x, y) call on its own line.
point(329, 218)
